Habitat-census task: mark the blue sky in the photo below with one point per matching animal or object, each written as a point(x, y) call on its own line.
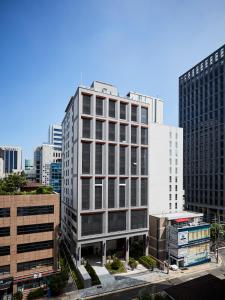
point(134, 44)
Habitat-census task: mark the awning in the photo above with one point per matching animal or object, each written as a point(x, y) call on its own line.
point(181, 220)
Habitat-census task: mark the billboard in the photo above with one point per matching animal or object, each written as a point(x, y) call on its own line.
point(182, 238)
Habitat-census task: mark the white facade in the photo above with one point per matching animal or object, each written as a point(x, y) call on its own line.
point(44, 155)
point(1, 168)
point(166, 169)
point(11, 160)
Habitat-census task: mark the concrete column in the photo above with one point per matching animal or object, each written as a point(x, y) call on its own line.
point(103, 252)
point(78, 255)
point(127, 249)
point(146, 237)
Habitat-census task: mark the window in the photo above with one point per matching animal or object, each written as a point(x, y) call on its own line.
point(138, 219)
point(144, 191)
point(4, 212)
point(29, 247)
point(98, 158)
point(122, 160)
point(112, 108)
point(28, 229)
point(133, 187)
point(144, 136)
point(122, 192)
point(144, 161)
point(133, 160)
point(144, 115)
point(4, 270)
point(86, 128)
point(111, 162)
point(4, 231)
point(85, 193)
point(123, 135)
point(91, 224)
point(123, 111)
point(112, 131)
point(29, 265)
point(111, 193)
point(170, 205)
point(86, 158)
point(99, 130)
point(134, 109)
point(87, 104)
point(99, 106)
point(98, 193)
point(4, 250)
point(35, 210)
point(133, 135)
point(116, 221)
point(175, 205)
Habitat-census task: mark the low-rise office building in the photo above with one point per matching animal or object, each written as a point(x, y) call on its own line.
point(182, 238)
point(28, 234)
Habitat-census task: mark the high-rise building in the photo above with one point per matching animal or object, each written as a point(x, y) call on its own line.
point(55, 136)
point(44, 156)
point(201, 114)
point(105, 169)
point(11, 160)
point(166, 193)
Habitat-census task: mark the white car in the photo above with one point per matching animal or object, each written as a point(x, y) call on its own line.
point(174, 267)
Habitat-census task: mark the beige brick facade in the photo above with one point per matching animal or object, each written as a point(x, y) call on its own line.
point(13, 202)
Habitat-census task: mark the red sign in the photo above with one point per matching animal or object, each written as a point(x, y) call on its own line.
point(181, 220)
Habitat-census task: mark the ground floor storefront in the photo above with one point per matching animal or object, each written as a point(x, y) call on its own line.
point(123, 247)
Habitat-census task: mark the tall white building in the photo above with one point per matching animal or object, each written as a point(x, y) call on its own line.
point(44, 156)
point(106, 170)
point(11, 160)
point(166, 193)
point(55, 136)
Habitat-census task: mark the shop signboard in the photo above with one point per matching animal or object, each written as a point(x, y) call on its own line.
point(182, 238)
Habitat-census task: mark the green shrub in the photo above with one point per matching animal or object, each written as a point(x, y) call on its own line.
point(44, 190)
point(148, 262)
point(132, 263)
point(116, 266)
point(58, 282)
point(94, 277)
point(18, 296)
point(74, 272)
point(116, 263)
point(35, 294)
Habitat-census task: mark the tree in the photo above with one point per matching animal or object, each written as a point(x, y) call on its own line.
point(216, 232)
point(58, 282)
point(18, 296)
point(12, 183)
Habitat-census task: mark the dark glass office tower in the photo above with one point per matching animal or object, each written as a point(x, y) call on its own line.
point(201, 114)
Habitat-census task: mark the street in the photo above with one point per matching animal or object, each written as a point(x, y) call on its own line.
point(160, 286)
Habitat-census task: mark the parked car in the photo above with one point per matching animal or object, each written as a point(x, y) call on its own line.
point(174, 267)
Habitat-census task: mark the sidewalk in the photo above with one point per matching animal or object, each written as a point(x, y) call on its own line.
point(140, 277)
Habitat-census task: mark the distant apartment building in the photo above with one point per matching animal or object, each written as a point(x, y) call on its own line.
point(44, 156)
point(201, 114)
point(29, 170)
point(10, 160)
point(105, 167)
point(28, 234)
point(166, 192)
point(181, 237)
point(55, 136)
